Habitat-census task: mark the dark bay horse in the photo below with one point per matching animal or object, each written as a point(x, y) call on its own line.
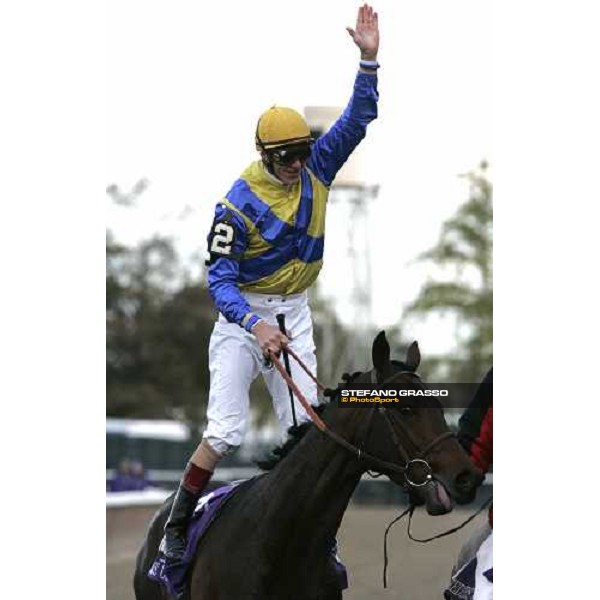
point(272, 540)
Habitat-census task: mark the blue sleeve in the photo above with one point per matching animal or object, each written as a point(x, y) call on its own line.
point(333, 148)
point(227, 241)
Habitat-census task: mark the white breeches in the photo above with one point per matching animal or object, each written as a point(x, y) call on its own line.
point(235, 360)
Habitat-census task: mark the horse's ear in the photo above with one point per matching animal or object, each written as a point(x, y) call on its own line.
point(413, 356)
point(381, 352)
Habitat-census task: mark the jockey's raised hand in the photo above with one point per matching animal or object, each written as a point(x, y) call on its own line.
point(366, 34)
point(269, 338)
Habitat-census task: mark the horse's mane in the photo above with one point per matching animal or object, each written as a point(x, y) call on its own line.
point(295, 434)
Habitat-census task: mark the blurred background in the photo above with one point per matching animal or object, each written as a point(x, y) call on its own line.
point(408, 235)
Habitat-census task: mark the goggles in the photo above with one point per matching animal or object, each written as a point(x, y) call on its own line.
point(289, 154)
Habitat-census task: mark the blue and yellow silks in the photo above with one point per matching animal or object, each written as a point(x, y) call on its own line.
point(272, 235)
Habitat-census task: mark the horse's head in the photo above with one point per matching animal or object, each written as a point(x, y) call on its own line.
point(414, 434)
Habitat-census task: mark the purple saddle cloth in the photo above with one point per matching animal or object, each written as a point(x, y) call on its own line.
point(174, 575)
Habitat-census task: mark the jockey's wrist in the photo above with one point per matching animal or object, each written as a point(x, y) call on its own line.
point(249, 321)
point(369, 56)
point(369, 64)
point(253, 326)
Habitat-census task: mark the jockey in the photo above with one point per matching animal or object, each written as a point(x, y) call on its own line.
point(266, 249)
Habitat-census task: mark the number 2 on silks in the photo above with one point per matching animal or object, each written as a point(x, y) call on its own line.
point(222, 238)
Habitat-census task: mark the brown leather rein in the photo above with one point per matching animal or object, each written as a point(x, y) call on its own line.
point(419, 461)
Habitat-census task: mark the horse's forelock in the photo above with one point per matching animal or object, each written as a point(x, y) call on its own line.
point(403, 366)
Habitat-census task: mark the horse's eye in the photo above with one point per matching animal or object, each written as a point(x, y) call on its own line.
point(406, 410)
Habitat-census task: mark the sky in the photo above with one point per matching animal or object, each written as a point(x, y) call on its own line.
point(188, 80)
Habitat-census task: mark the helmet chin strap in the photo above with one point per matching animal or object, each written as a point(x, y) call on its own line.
point(269, 165)
point(267, 162)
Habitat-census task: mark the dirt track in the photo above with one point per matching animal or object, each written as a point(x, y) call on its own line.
point(416, 571)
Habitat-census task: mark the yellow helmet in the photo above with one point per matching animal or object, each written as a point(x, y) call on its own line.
point(281, 126)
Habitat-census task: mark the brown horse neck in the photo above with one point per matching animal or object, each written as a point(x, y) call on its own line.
point(313, 484)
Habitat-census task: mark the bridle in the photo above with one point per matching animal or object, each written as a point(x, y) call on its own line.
point(407, 470)
point(419, 458)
